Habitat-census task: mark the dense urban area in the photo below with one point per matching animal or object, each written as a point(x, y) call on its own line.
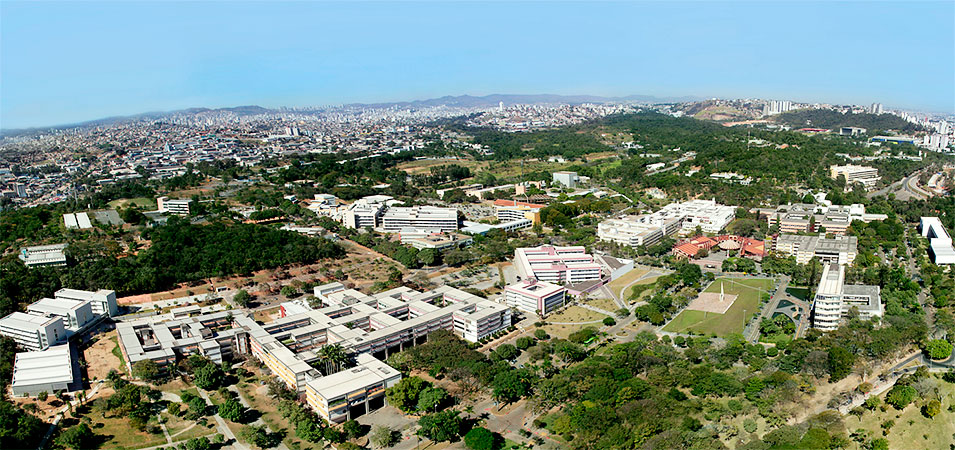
point(498, 272)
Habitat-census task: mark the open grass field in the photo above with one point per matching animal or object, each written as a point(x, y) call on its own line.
point(147, 204)
point(423, 166)
point(747, 302)
point(605, 304)
point(911, 429)
point(573, 318)
point(627, 278)
point(120, 435)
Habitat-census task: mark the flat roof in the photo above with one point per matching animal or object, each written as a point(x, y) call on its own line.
point(23, 321)
point(368, 371)
point(52, 365)
point(61, 306)
point(537, 289)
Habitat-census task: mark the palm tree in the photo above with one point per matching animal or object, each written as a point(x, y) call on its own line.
point(335, 357)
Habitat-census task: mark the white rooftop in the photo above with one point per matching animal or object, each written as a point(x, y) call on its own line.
point(50, 366)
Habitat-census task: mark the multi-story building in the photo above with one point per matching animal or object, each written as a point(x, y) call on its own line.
point(686, 217)
point(811, 218)
point(940, 243)
point(352, 392)
point(838, 250)
point(103, 301)
point(420, 217)
point(835, 300)
point(868, 176)
point(535, 296)
point(558, 265)
point(33, 332)
point(634, 231)
point(435, 241)
point(378, 324)
point(44, 255)
point(510, 210)
point(210, 335)
point(75, 313)
point(179, 207)
point(51, 370)
point(567, 179)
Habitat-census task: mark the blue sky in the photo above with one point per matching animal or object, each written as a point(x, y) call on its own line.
point(74, 61)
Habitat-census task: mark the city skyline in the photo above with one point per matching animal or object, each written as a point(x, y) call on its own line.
point(165, 57)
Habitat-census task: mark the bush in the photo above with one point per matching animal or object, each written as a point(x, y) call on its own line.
point(480, 438)
point(608, 321)
point(901, 396)
point(938, 349)
point(932, 408)
point(749, 425)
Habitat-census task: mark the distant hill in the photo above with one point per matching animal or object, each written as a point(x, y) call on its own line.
point(825, 118)
point(460, 101)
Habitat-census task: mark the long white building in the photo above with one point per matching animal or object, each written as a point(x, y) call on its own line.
point(558, 265)
point(837, 250)
point(834, 299)
point(179, 207)
point(33, 332)
point(649, 229)
point(940, 242)
point(868, 176)
point(44, 255)
point(420, 217)
point(535, 296)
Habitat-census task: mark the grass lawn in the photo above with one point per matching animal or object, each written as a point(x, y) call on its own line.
point(145, 203)
point(121, 435)
point(746, 304)
point(627, 278)
point(921, 433)
point(270, 415)
point(575, 314)
point(603, 303)
point(800, 293)
point(119, 354)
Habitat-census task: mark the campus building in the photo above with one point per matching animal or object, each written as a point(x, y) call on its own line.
point(179, 207)
point(435, 241)
point(940, 243)
point(43, 255)
point(635, 231)
point(868, 176)
point(352, 392)
point(74, 313)
point(649, 229)
point(420, 217)
point(52, 370)
point(835, 300)
point(558, 265)
point(837, 250)
point(510, 210)
point(812, 218)
point(33, 332)
point(567, 179)
point(209, 335)
point(535, 296)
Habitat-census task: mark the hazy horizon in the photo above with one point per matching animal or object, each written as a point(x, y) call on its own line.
point(99, 60)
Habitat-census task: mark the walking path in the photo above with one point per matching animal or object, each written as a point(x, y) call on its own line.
point(223, 427)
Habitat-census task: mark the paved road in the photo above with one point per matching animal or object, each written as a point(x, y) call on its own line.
point(752, 332)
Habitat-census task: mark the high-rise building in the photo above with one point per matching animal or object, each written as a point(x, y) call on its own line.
point(835, 300)
point(558, 265)
point(876, 108)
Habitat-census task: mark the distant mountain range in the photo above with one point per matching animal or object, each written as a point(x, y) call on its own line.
point(460, 101)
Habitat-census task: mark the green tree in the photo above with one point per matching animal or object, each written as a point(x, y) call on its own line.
point(506, 352)
point(840, 363)
point(404, 395)
point(208, 376)
point(901, 396)
point(429, 257)
point(540, 334)
point(242, 298)
point(509, 386)
point(444, 426)
point(77, 437)
point(146, 369)
point(352, 429)
point(480, 438)
point(258, 436)
point(232, 409)
point(382, 437)
point(938, 349)
point(608, 321)
point(430, 398)
point(200, 443)
point(932, 408)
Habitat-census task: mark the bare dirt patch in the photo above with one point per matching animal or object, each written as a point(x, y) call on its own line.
point(100, 358)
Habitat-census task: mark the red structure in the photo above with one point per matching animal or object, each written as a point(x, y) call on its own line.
point(746, 246)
